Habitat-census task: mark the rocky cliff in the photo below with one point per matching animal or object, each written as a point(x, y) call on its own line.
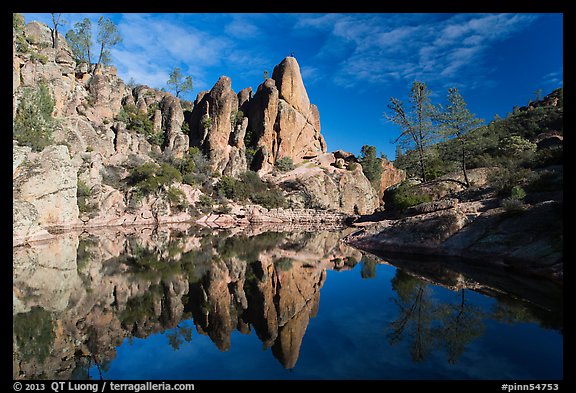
point(278, 121)
point(105, 131)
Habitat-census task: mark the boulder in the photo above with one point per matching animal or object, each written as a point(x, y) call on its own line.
point(330, 188)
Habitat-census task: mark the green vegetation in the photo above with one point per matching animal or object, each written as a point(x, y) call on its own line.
point(80, 41)
point(83, 194)
point(284, 164)
point(33, 124)
point(141, 123)
point(176, 198)
point(371, 165)
point(107, 38)
point(38, 57)
point(236, 118)
point(508, 145)
point(34, 333)
point(19, 36)
point(206, 122)
point(250, 187)
point(405, 196)
point(283, 264)
point(456, 122)
point(150, 177)
point(179, 83)
point(415, 123)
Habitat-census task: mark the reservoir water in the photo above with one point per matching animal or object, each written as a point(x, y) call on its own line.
point(192, 303)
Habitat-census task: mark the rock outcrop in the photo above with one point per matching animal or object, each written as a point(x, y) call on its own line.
point(390, 177)
point(321, 185)
point(217, 128)
point(284, 122)
point(281, 120)
point(47, 182)
point(109, 129)
point(477, 230)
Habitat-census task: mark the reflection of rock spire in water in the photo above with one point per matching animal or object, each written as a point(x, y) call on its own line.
point(108, 287)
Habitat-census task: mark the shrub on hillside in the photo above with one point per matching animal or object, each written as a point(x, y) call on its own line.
point(176, 198)
point(285, 164)
point(406, 195)
point(504, 179)
point(33, 124)
point(250, 187)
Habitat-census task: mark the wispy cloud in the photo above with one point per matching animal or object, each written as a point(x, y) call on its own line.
point(383, 48)
point(553, 79)
point(242, 28)
point(310, 75)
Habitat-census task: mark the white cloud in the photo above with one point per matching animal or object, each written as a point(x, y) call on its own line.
point(383, 48)
point(241, 28)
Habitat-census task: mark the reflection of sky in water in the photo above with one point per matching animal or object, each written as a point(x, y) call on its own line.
point(347, 340)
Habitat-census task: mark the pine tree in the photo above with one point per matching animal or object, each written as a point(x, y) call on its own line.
point(416, 123)
point(456, 121)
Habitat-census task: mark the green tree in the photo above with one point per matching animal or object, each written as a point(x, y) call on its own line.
point(456, 122)
point(178, 82)
point(416, 122)
point(56, 22)
point(33, 123)
point(19, 37)
point(371, 165)
point(107, 37)
point(80, 40)
point(538, 95)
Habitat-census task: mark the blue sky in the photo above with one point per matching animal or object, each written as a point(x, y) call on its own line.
point(351, 63)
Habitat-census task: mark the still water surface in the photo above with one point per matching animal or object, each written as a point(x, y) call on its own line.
point(298, 305)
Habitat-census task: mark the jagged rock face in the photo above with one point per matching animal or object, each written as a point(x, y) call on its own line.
point(106, 92)
point(284, 122)
point(320, 185)
point(172, 118)
point(57, 69)
point(81, 135)
point(390, 177)
point(281, 122)
point(263, 111)
point(48, 181)
point(213, 127)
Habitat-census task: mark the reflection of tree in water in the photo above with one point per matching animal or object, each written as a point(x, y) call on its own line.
point(368, 267)
point(431, 325)
point(415, 315)
point(460, 324)
point(178, 335)
point(34, 333)
point(510, 311)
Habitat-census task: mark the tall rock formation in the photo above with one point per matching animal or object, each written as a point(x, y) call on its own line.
point(217, 128)
point(281, 122)
point(284, 122)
